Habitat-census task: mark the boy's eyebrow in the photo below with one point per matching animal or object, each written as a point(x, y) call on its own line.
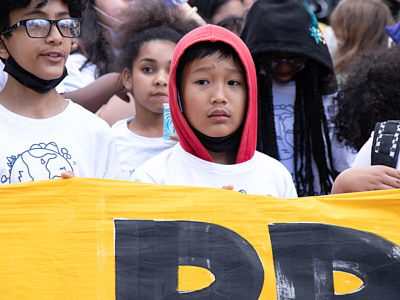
point(235, 70)
point(43, 14)
point(206, 68)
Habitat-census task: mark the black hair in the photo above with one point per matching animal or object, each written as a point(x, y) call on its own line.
point(201, 50)
point(94, 44)
point(7, 6)
point(311, 134)
point(149, 20)
point(133, 46)
point(394, 7)
point(370, 94)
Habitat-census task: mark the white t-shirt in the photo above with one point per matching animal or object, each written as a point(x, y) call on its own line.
point(284, 122)
point(134, 149)
point(261, 175)
point(363, 157)
point(37, 149)
point(3, 76)
point(77, 77)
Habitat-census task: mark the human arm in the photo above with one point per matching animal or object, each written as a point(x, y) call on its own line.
point(369, 178)
point(186, 11)
point(94, 95)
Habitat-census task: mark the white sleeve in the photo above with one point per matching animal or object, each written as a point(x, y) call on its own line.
point(363, 157)
point(3, 76)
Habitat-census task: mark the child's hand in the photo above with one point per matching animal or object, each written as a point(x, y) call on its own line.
point(67, 174)
point(228, 187)
point(120, 89)
point(371, 178)
point(174, 137)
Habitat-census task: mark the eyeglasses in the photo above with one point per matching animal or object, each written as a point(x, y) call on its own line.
point(298, 61)
point(40, 28)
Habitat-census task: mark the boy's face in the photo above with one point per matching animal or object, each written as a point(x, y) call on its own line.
point(214, 95)
point(43, 57)
point(148, 79)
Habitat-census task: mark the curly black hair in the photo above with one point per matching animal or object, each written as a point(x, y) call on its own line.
point(370, 94)
point(6, 6)
point(148, 20)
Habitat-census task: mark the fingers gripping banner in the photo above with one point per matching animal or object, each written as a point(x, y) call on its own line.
point(103, 239)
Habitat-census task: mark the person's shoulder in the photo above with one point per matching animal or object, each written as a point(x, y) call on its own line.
point(85, 116)
point(262, 157)
point(121, 124)
point(156, 168)
point(363, 157)
point(263, 160)
point(76, 58)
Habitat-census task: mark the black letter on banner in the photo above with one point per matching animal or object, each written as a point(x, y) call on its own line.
point(148, 254)
point(305, 256)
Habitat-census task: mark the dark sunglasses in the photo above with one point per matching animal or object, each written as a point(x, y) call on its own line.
point(298, 61)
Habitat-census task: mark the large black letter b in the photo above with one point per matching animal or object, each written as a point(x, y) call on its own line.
point(148, 254)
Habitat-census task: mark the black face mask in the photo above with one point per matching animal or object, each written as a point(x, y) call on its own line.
point(221, 144)
point(28, 79)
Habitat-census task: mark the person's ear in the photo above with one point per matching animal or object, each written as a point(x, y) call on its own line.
point(127, 79)
point(3, 51)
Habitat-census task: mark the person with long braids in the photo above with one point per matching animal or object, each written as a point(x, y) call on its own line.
point(295, 81)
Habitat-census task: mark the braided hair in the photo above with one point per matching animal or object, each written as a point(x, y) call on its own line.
point(311, 134)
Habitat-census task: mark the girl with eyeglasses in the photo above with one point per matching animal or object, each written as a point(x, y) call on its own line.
point(295, 81)
point(43, 134)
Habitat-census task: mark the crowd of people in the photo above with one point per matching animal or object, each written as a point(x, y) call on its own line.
point(268, 97)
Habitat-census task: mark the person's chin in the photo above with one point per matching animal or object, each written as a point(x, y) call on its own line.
point(52, 76)
point(283, 79)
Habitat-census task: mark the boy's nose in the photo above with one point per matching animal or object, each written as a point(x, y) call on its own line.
point(219, 95)
point(54, 34)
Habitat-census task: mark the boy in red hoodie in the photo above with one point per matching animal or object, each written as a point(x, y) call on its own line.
point(213, 101)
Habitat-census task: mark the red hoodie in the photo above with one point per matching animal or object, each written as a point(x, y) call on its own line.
point(189, 141)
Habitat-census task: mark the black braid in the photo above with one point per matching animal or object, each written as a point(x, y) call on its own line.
point(266, 136)
point(303, 174)
point(317, 137)
point(311, 135)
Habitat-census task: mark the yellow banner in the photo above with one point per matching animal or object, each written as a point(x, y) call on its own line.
point(103, 239)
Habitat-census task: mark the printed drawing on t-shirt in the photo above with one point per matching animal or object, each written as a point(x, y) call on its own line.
point(42, 161)
point(284, 115)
